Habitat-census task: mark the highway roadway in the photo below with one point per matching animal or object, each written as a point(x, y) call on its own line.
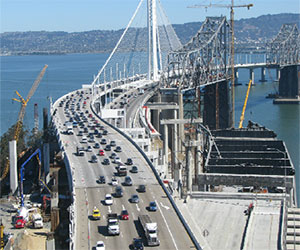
point(90, 194)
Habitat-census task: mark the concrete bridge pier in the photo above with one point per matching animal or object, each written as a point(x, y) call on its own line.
point(251, 76)
point(156, 112)
point(166, 150)
point(263, 74)
point(236, 76)
point(289, 82)
point(181, 126)
point(278, 74)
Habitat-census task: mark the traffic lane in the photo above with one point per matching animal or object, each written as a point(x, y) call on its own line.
point(169, 223)
point(98, 229)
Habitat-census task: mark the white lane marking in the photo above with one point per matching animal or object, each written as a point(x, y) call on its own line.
point(166, 207)
point(133, 216)
point(123, 207)
point(109, 209)
point(121, 235)
point(137, 207)
point(167, 225)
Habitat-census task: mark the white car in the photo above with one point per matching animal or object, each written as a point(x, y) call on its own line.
point(114, 181)
point(108, 199)
point(117, 159)
point(100, 245)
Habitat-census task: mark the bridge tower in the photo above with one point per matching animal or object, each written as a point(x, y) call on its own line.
point(152, 41)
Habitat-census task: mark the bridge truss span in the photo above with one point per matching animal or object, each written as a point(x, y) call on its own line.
point(284, 49)
point(205, 58)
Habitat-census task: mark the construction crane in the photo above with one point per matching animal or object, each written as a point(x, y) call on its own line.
point(231, 6)
point(245, 104)
point(23, 102)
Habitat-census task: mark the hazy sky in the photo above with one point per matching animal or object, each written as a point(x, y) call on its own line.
point(84, 15)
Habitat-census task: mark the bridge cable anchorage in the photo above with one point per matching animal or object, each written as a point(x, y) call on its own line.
point(284, 49)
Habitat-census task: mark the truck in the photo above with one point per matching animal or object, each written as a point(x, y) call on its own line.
point(37, 220)
point(122, 169)
point(150, 230)
point(113, 224)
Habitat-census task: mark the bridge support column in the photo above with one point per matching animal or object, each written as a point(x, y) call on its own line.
point(181, 126)
point(210, 106)
point(13, 166)
point(236, 76)
point(289, 83)
point(277, 74)
point(263, 74)
point(166, 151)
point(251, 76)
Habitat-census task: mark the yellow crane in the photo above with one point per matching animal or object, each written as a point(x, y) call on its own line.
point(245, 104)
point(23, 102)
point(231, 6)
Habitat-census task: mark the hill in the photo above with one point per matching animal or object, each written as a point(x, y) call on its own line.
point(249, 32)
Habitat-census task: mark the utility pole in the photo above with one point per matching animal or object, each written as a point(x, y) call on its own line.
point(231, 6)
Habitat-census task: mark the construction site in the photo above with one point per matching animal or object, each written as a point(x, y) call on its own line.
point(33, 212)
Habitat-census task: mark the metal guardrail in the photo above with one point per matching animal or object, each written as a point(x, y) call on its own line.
point(186, 226)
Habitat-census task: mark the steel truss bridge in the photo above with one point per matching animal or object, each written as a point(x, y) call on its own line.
point(205, 59)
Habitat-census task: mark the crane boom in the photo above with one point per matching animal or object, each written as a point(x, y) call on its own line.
point(245, 104)
point(23, 102)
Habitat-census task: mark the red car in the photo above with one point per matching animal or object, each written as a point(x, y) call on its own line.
point(124, 215)
point(90, 115)
point(20, 222)
point(101, 152)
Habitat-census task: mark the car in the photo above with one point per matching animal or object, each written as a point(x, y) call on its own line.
point(141, 188)
point(152, 206)
point(100, 245)
point(101, 127)
point(117, 160)
point(20, 222)
point(137, 244)
point(101, 179)
point(105, 161)
point(134, 169)
point(128, 181)
point(107, 148)
point(113, 156)
point(118, 149)
point(105, 132)
point(97, 145)
point(124, 215)
point(99, 135)
point(101, 152)
point(134, 198)
point(80, 133)
point(129, 161)
point(103, 141)
point(94, 159)
point(92, 139)
point(89, 149)
point(118, 191)
point(112, 143)
point(96, 214)
point(114, 181)
point(83, 139)
point(108, 199)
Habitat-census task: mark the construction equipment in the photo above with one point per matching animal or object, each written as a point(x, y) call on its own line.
point(231, 6)
point(38, 151)
point(19, 123)
point(245, 104)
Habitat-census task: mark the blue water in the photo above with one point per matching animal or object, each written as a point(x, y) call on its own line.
point(68, 72)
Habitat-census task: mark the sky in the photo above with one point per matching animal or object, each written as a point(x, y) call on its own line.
point(85, 15)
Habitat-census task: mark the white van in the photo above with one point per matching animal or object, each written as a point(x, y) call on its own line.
point(84, 139)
